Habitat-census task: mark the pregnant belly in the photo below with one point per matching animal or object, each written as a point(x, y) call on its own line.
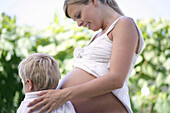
point(107, 103)
point(75, 77)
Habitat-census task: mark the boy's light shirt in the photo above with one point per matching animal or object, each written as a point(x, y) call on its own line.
point(29, 97)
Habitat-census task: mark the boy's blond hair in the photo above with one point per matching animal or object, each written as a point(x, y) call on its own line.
point(42, 69)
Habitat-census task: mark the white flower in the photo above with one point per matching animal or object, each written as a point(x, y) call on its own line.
point(145, 91)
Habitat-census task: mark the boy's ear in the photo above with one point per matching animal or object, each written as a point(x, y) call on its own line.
point(94, 2)
point(30, 84)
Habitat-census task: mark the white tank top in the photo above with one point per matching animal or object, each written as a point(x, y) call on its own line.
point(95, 59)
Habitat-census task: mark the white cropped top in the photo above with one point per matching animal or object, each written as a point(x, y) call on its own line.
point(95, 59)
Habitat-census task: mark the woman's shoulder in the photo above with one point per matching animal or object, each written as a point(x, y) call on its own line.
point(125, 25)
point(126, 21)
point(125, 29)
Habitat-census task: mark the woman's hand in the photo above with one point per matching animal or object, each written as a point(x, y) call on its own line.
point(49, 100)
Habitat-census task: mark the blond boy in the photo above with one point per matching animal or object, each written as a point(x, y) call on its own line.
point(40, 72)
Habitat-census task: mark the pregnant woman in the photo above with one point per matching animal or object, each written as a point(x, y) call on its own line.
point(98, 83)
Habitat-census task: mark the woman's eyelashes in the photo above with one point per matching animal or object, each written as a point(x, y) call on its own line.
point(78, 15)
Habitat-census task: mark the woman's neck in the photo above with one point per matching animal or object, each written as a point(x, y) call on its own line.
point(111, 15)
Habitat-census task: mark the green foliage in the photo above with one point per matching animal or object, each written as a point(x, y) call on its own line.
point(149, 83)
point(14, 45)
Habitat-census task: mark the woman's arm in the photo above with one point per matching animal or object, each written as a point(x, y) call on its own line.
point(125, 38)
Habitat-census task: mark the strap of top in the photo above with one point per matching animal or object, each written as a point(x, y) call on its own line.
point(141, 40)
point(113, 25)
point(108, 30)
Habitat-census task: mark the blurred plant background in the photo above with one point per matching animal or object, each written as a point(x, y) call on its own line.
point(149, 83)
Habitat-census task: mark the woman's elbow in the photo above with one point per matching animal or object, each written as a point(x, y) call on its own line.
point(120, 85)
point(119, 82)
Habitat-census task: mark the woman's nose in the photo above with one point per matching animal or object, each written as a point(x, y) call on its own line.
point(79, 22)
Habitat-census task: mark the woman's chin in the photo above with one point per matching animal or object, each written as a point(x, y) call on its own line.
point(94, 29)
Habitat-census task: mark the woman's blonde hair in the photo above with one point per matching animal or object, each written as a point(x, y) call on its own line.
point(42, 69)
point(111, 3)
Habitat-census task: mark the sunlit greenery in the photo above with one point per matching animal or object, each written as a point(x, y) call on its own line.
point(149, 83)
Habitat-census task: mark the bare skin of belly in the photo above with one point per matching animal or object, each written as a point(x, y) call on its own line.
point(107, 103)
